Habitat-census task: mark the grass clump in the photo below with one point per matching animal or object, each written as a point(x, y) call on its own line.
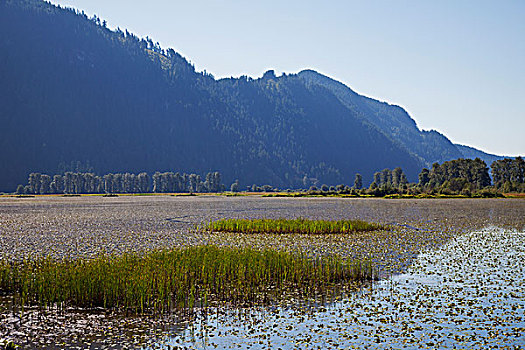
point(163, 281)
point(282, 226)
point(8, 345)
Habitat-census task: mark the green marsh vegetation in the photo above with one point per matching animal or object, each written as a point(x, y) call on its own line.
point(8, 345)
point(299, 226)
point(117, 229)
point(177, 279)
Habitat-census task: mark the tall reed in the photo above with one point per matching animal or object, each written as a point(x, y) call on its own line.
point(279, 226)
point(162, 281)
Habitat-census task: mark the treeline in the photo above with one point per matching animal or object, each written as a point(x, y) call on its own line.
point(466, 177)
point(88, 183)
point(456, 176)
point(388, 182)
point(174, 182)
point(470, 177)
point(508, 175)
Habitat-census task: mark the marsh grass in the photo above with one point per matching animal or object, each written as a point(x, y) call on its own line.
point(284, 226)
point(163, 281)
point(7, 345)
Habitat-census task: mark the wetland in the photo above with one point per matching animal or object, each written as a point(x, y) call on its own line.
point(451, 272)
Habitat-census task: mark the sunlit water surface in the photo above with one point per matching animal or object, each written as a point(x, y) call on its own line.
point(468, 294)
point(465, 292)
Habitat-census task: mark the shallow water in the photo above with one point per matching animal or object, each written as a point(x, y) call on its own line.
point(465, 290)
point(468, 294)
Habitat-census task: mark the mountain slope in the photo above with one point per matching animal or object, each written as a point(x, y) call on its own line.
point(312, 131)
point(472, 153)
point(75, 91)
point(429, 146)
point(393, 121)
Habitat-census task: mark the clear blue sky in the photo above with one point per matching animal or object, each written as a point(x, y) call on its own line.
point(456, 66)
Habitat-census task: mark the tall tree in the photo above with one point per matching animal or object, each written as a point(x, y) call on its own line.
point(45, 184)
point(59, 183)
point(424, 177)
point(34, 182)
point(68, 182)
point(397, 175)
point(108, 183)
point(235, 186)
point(143, 182)
point(157, 182)
point(358, 181)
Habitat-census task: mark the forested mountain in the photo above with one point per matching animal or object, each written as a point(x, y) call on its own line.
point(473, 153)
point(396, 124)
point(74, 91)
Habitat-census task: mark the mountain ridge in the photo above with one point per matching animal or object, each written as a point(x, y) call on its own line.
point(419, 142)
point(78, 92)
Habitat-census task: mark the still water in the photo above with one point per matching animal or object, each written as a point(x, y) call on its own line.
point(468, 294)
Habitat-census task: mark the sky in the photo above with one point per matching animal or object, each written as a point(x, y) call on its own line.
point(456, 66)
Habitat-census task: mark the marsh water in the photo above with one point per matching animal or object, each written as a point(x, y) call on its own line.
point(468, 294)
point(452, 273)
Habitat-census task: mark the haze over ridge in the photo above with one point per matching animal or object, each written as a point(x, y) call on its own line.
point(125, 104)
point(457, 68)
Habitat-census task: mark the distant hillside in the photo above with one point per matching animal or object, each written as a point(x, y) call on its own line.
point(75, 91)
point(472, 153)
point(396, 124)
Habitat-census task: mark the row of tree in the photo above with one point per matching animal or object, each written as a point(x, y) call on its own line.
point(459, 176)
point(77, 182)
point(508, 175)
point(169, 182)
point(389, 178)
point(456, 175)
point(471, 176)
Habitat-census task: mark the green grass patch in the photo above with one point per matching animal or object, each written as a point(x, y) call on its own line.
point(190, 194)
point(8, 345)
point(312, 194)
point(163, 281)
point(283, 226)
